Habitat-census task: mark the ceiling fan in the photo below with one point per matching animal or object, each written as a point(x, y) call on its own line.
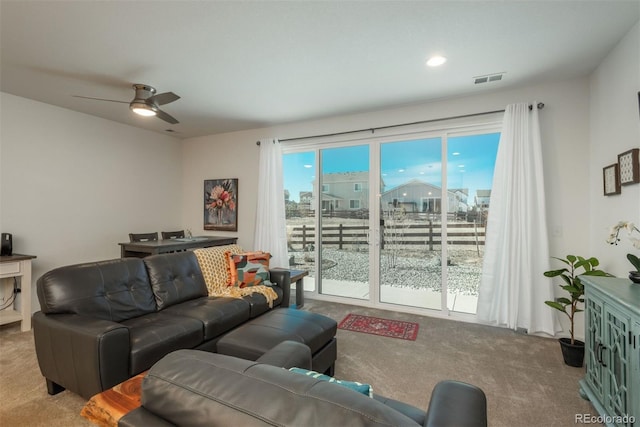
point(146, 102)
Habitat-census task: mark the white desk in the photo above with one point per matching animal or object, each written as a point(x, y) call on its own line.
point(18, 266)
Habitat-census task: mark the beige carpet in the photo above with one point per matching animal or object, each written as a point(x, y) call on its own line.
point(524, 378)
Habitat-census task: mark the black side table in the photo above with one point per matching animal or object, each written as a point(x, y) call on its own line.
point(296, 277)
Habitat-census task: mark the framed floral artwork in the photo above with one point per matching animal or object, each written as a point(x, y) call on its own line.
point(221, 204)
point(629, 167)
point(611, 177)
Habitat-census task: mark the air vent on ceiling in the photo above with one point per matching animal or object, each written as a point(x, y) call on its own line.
point(488, 78)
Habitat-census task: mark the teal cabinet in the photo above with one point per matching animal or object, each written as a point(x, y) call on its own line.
point(612, 349)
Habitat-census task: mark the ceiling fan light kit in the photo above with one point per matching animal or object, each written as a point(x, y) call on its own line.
point(143, 109)
point(145, 103)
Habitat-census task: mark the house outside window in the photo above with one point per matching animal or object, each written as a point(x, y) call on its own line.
point(325, 188)
point(357, 187)
point(354, 204)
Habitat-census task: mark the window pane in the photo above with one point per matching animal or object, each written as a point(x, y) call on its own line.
point(345, 222)
point(299, 175)
point(410, 249)
point(471, 161)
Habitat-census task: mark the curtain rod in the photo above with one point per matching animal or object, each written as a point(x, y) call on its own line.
point(372, 130)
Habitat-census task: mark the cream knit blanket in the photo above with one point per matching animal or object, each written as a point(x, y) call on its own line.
point(213, 265)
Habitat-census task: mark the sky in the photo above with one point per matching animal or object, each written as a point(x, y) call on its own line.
point(471, 160)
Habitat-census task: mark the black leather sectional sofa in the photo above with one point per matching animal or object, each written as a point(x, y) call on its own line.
point(193, 388)
point(103, 322)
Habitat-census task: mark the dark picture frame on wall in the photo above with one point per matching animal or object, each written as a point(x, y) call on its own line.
point(629, 164)
point(221, 204)
point(611, 179)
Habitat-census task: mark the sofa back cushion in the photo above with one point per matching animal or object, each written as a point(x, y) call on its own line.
point(175, 278)
point(113, 290)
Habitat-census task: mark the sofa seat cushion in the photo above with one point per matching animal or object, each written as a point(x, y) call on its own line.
point(259, 304)
point(154, 335)
point(256, 337)
point(217, 315)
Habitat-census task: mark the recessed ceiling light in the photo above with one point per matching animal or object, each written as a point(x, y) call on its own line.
point(436, 61)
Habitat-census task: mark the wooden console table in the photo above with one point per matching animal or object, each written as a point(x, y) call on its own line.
point(106, 408)
point(143, 249)
point(18, 266)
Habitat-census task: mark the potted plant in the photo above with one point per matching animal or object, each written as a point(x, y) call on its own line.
point(633, 259)
point(573, 349)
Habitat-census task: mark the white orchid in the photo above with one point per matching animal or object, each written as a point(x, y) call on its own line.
point(613, 239)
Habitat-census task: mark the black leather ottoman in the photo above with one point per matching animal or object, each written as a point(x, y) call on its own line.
point(256, 337)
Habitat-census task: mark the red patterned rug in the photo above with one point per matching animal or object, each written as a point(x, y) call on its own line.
point(378, 326)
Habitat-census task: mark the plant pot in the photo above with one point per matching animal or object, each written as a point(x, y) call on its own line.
point(573, 354)
point(634, 276)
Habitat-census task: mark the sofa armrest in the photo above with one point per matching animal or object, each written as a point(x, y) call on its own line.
point(456, 404)
point(288, 354)
point(80, 353)
point(282, 278)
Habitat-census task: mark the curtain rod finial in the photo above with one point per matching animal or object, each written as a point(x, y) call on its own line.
point(257, 142)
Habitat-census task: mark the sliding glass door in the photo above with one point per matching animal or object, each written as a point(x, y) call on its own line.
point(410, 254)
point(299, 175)
point(344, 222)
point(396, 222)
point(470, 163)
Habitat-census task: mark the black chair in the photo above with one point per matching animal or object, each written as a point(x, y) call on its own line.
point(172, 235)
point(143, 237)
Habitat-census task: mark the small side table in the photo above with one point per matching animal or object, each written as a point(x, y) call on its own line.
point(19, 267)
point(296, 277)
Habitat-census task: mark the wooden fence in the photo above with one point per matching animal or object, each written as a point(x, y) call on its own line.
point(427, 234)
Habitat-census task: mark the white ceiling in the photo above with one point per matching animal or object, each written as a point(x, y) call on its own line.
point(244, 64)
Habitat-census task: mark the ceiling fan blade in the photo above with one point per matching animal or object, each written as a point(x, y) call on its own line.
point(166, 117)
point(164, 98)
point(100, 99)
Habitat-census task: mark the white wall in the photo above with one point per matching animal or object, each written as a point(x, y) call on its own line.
point(565, 135)
point(615, 128)
point(72, 186)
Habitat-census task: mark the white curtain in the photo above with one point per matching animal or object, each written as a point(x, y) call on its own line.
point(270, 231)
point(513, 288)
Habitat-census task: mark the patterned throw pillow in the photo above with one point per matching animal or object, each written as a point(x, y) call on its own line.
point(248, 269)
point(365, 389)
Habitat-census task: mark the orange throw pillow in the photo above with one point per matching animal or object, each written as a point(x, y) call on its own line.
point(248, 268)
